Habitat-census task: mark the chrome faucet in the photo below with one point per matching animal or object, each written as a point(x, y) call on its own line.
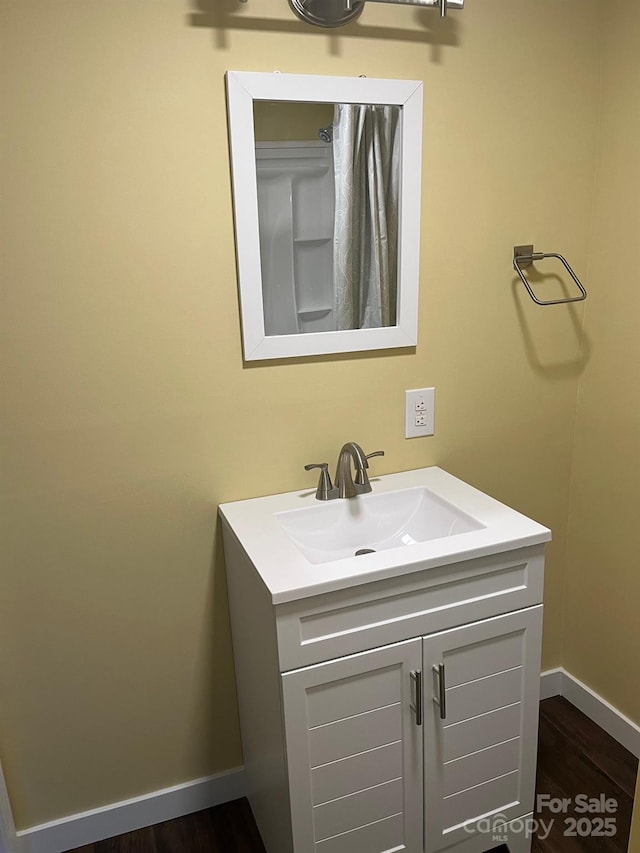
point(345, 485)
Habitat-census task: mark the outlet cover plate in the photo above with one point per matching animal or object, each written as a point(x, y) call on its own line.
point(419, 412)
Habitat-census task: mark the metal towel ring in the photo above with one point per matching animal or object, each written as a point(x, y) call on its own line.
point(524, 256)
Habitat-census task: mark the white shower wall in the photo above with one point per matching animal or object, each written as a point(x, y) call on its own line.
point(296, 201)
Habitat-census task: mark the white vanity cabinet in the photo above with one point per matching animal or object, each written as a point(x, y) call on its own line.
point(344, 753)
point(358, 731)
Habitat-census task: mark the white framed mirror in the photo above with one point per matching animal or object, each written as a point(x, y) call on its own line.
point(326, 186)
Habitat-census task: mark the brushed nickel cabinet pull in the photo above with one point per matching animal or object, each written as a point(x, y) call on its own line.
point(441, 701)
point(416, 678)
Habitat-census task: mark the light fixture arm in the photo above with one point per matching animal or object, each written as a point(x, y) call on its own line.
point(443, 5)
point(337, 13)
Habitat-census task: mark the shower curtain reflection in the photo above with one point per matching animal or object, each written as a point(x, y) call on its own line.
point(366, 152)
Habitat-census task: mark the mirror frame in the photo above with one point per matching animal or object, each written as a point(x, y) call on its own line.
point(245, 87)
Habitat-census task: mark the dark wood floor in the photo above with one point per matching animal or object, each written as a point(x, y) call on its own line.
point(574, 757)
point(577, 757)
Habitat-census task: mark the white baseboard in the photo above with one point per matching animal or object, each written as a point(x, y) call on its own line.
point(551, 683)
point(559, 682)
point(128, 815)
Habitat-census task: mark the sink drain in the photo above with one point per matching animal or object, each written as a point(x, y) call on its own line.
point(361, 551)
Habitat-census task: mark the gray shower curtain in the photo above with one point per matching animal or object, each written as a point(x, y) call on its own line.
point(366, 149)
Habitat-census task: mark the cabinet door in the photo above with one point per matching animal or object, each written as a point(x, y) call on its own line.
point(354, 753)
point(480, 748)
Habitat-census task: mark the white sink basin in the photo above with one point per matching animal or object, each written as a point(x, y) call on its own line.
point(373, 522)
point(412, 521)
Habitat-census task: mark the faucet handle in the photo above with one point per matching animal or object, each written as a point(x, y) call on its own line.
point(326, 490)
point(362, 478)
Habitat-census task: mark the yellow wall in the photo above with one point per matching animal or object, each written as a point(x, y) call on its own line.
point(128, 414)
point(603, 583)
point(275, 121)
point(602, 639)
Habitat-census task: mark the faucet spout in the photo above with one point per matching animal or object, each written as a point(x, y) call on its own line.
point(347, 487)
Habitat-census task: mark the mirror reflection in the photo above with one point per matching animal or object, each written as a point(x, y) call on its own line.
point(328, 187)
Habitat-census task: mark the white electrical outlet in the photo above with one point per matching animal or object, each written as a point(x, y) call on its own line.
point(419, 412)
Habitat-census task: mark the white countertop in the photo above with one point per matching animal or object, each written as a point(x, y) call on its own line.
point(288, 575)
